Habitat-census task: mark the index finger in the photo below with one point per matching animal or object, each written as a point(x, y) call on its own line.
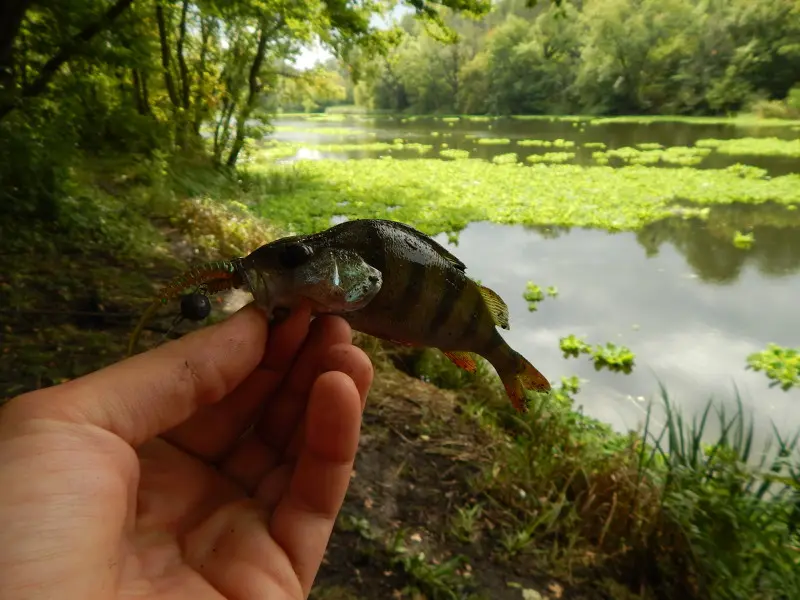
point(145, 395)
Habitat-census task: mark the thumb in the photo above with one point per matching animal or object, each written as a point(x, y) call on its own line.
point(145, 395)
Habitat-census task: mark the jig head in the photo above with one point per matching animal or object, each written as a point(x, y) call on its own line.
point(210, 278)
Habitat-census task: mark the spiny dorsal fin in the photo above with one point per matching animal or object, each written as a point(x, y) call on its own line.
point(496, 306)
point(444, 252)
point(463, 360)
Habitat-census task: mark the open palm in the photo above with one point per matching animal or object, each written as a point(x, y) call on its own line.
point(206, 468)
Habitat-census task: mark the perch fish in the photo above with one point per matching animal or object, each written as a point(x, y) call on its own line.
point(387, 280)
point(425, 298)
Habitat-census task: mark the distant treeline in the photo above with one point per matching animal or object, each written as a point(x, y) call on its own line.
point(596, 56)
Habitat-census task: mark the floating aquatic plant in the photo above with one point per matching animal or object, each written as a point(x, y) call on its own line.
point(610, 356)
point(533, 294)
point(750, 146)
point(559, 143)
point(454, 153)
point(613, 357)
point(598, 145)
point(484, 141)
point(679, 155)
point(574, 346)
point(334, 131)
point(781, 365)
point(743, 240)
point(550, 157)
point(505, 159)
point(443, 195)
point(552, 291)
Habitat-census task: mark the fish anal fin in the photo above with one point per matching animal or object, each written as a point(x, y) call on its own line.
point(463, 360)
point(496, 306)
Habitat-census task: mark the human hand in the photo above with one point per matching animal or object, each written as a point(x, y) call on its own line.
point(146, 479)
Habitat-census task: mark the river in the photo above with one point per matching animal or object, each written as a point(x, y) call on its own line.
point(689, 304)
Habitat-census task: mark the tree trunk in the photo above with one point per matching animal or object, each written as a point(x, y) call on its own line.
point(252, 95)
point(140, 92)
point(65, 53)
point(184, 71)
point(169, 82)
point(200, 108)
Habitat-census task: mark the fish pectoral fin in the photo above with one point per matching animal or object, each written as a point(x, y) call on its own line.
point(496, 306)
point(463, 360)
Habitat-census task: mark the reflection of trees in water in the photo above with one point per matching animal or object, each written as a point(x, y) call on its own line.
point(708, 246)
point(549, 232)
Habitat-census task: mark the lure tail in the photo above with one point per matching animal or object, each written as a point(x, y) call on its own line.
point(211, 277)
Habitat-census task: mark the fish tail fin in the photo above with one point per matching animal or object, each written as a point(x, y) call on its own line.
point(523, 376)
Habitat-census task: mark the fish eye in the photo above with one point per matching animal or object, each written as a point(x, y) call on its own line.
point(295, 255)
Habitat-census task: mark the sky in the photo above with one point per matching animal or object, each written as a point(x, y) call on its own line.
point(315, 53)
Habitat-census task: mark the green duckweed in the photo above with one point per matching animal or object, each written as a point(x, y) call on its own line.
point(437, 195)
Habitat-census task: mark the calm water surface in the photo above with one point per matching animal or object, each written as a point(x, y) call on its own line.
point(687, 302)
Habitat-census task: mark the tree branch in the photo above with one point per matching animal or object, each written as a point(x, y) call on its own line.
point(67, 51)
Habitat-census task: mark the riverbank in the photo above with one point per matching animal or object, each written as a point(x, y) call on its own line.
point(454, 495)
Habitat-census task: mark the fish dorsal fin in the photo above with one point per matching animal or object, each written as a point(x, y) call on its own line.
point(496, 306)
point(441, 250)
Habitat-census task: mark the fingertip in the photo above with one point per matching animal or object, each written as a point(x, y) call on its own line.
point(333, 420)
point(332, 326)
point(354, 362)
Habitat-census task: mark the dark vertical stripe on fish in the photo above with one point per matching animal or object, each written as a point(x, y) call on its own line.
point(470, 333)
point(412, 292)
point(452, 293)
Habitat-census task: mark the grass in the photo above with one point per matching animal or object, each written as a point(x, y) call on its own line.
point(436, 195)
point(681, 513)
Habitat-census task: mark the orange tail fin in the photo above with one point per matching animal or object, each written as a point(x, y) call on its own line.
point(526, 377)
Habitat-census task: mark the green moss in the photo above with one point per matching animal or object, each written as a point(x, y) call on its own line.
point(437, 195)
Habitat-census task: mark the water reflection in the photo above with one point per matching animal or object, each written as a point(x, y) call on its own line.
point(708, 248)
point(687, 331)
